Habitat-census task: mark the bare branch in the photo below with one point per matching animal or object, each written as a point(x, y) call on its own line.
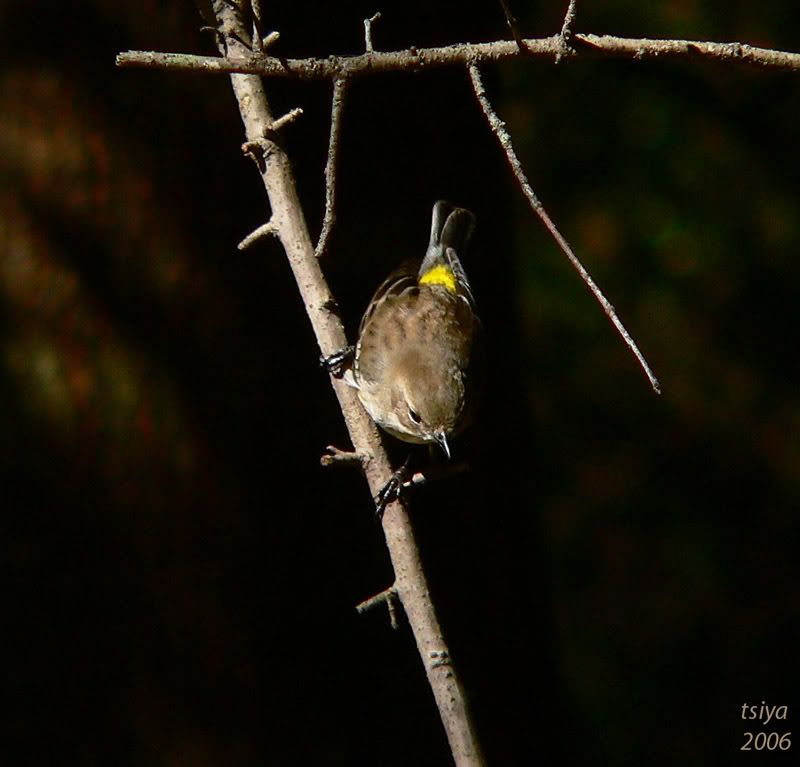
point(569, 22)
point(368, 31)
point(566, 31)
point(410, 581)
point(498, 128)
point(337, 104)
point(582, 46)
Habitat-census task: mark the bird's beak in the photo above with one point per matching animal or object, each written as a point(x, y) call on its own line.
point(441, 439)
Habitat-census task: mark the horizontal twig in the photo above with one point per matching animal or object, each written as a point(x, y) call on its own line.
point(593, 46)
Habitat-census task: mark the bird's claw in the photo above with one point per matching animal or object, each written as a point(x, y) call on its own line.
point(338, 363)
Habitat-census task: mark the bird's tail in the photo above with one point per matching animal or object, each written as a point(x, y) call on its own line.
point(451, 229)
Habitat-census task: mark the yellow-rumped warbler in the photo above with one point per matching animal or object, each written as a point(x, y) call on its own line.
point(414, 364)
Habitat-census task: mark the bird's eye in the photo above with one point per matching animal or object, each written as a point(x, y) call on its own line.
point(414, 416)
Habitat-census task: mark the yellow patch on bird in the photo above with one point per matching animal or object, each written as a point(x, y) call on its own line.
point(440, 275)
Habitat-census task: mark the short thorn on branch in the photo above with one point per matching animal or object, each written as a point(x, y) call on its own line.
point(336, 457)
point(270, 40)
point(368, 31)
point(286, 119)
point(258, 151)
point(498, 127)
point(389, 598)
point(265, 230)
point(261, 148)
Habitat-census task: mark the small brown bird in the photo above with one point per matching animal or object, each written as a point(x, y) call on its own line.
point(416, 354)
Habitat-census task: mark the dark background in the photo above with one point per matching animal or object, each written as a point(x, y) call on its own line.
point(618, 573)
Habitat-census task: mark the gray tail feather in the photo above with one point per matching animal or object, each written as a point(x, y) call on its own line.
point(451, 229)
point(441, 210)
point(457, 230)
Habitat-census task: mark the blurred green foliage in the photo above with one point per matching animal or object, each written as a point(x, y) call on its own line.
point(673, 545)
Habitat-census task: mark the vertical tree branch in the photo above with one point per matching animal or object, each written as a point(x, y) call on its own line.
point(290, 226)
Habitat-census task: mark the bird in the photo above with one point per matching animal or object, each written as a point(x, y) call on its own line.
point(418, 361)
point(415, 364)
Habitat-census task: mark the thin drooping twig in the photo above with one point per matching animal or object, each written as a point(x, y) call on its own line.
point(368, 47)
point(581, 46)
point(512, 23)
point(337, 105)
point(410, 581)
point(498, 128)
